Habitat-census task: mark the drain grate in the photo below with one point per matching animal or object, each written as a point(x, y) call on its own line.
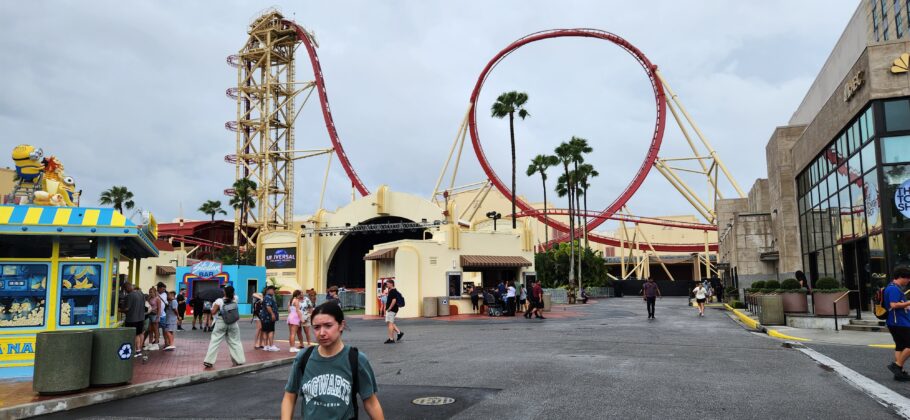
point(433, 401)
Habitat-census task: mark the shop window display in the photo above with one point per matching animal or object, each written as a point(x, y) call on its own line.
point(80, 294)
point(23, 293)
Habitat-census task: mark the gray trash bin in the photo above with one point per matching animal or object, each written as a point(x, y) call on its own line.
point(772, 310)
point(112, 354)
point(63, 361)
point(429, 307)
point(547, 302)
point(442, 309)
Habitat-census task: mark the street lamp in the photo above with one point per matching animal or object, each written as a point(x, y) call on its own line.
point(495, 216)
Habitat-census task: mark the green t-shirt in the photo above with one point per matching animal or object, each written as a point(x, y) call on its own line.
point(326, 384)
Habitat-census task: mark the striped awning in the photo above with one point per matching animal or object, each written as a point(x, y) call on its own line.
point(165, 270)
point(77, 221)
point(382, 254)
point(494, 261)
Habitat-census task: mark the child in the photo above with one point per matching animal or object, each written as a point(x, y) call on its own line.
point(170, 323)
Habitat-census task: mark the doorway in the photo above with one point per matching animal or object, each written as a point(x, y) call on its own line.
point(856, 273)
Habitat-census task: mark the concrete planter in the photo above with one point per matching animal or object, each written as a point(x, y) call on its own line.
point(824, 304)
point(795, 303)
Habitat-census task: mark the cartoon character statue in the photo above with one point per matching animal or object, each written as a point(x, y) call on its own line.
point(41, 181)
point(29, 162)
point(59, 189)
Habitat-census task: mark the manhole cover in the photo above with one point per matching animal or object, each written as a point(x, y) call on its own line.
point(433, 401)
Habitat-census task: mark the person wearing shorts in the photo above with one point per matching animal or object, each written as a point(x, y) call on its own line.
point(181, 310)
point(391, 311)
point(898, 320)
point(135, 315)
point(269, 315)
point(701, 296)
point(197, 305)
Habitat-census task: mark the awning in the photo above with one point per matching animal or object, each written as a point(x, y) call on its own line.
point(165, 270)
point(494, 261)
point(382, 254)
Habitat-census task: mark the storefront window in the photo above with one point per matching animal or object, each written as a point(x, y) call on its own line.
point(870, 124)
point(78, 247)
point(454, 279)
point(868, 157)
point(896, 149)
point(876, 267)
point(897, 115)
point(846, 216)
point(873, 207)
point(23, 292)
point(26, 246)
point(80, 292)
point(898, 204)
point(900, 248)
point(857, 210)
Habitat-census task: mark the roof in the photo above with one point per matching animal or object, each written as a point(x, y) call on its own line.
point(494, 261)
point(77, 221)
point(189, 228)
point(382, 254)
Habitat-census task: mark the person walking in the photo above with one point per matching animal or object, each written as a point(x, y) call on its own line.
point(522, 298)
point(395, 301)
point(170, 321)
point(154, 318)
point(268, 315)
point(307, 305)
point(181, 310)
point(718, 289)
point(536, 306)
point(510, 299)
point(135, 315)
point(225, 329)
point(701, 295)
point(197, 304)
point(207, 315)
point(162, 303)
point(257, 306)
point(898, 320)
point(650, 292)
point(294, 317)
point(476, 292)
point(335, 363)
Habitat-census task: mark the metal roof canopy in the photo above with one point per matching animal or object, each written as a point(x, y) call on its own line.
point(382, 254)
point(136, 241)
point(494, 261)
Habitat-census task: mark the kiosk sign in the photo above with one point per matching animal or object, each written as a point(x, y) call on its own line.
point(902, 198)
point(206, 269)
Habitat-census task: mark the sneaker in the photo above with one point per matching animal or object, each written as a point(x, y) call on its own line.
point(138, 355)
point(293, 350)
point(902, 376)
point(170, 348)
point(194, 328)
point(389, 341)
point(154, 347)
point(895, 369)
point(400, 334)
point(274, 348)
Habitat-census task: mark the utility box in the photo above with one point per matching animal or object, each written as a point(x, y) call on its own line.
point(547, 302)
point(63, 361)
point(429, 307)
point(442, 309)
point(112, 354)
point(772, 310)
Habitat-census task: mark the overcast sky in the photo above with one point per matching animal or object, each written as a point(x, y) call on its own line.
point(132, 93)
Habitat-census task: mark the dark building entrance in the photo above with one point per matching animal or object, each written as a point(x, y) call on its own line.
point(347, 266)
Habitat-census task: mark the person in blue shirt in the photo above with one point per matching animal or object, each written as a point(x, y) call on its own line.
point(898, 320)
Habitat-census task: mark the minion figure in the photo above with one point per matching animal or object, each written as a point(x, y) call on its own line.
point(29, 162)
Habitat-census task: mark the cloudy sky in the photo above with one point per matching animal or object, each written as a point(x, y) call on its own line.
point(132, 93)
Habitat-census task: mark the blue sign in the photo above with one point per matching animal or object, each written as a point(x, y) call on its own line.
point(206, 269)
point(902, 198)
point(125, 351)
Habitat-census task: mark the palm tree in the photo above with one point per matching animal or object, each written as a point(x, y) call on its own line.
point(540, 164)
point(579, 148)
point(118, 197)
point(564, 152)
point(244, 191)
point(585, 173)
point(508, 104)
point(211, 208)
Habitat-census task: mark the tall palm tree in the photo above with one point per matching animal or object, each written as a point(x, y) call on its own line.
point(579, 148)
point(540, 164)
point(211, 208)
point(244, 191)
point(584, 173)
point(565, 153)
point(118, 197)
point(509, 103)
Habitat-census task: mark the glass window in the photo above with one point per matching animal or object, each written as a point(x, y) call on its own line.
point(856, 168)
point(804, 239)
point(454, 284)
point(900, 248)
point(26, 246)
point(810, 231)
point(877, 265)
point(842, 148)
point(854, 138)
point(896, 149)
point(78, 247)
point(870, 124)
point(873, 206)
point(898, 20)
point(845, 216)
point(897, 115)
point(874, 20)
point(80, 293)
point(857, 209)
point(23, 292)
point(862, 128)
point(896, 198)
point(868, 157)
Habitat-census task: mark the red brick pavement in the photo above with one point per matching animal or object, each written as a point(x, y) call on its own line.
point(185, 360)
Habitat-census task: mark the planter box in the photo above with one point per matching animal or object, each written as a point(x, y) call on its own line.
point(824, 304)
point(795, 303)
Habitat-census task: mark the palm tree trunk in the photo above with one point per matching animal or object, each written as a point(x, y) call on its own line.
point(512, 135)
point(546, 226)
point(581, 250)
point(571, 230)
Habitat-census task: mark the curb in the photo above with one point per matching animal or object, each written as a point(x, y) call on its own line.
point(751, 323)
point(91, 398)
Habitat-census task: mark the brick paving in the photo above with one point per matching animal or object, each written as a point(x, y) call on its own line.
point(556, 312)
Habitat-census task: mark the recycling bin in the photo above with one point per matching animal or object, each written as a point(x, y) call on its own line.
point(429, 307)
point(443, 308)
point(63, 361)
point(112, 354)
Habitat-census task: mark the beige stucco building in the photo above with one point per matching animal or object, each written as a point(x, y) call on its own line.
point(6, 180)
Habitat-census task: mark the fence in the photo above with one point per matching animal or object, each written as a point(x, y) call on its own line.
point(349, 300)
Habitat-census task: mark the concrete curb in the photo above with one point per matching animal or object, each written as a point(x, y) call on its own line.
point(86, 399)
point(751, 323)
point(885, 396)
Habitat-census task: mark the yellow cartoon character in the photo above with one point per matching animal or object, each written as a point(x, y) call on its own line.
point(58, 189)
point(29, 162)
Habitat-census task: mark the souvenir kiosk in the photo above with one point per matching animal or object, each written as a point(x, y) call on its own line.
point(58, 270)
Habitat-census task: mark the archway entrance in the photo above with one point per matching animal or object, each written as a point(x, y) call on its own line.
point(347, 266)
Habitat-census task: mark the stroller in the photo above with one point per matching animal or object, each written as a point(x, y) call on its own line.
point(494, 306)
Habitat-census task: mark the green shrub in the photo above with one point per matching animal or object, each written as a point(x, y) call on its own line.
point(828, 284)
point(772, 284)
point(789, 284)
point(758, 285)
point(735, 304)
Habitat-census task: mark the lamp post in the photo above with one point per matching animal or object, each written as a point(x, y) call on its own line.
point(495, 216)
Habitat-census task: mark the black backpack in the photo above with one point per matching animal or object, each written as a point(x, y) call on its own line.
point(354, 360)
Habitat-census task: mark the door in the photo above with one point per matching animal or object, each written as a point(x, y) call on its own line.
point(856, 273)
point(813, 268)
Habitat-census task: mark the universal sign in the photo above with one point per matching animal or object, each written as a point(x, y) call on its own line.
point(853, 84)
point(280, 258)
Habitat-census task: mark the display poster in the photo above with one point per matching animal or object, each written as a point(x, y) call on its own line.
point(280, 258)
point(902, 198)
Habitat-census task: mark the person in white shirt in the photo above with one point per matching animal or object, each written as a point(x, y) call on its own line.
point(510, 299)
point(701, 295)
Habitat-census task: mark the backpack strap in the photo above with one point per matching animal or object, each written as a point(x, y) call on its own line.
point(354, 360)
point(306, 356)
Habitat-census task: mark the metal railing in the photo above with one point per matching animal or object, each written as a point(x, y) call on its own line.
point(349, 300)
point(834, 307)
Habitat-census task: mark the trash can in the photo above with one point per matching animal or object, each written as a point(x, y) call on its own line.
point(547, 302)
point(443, 308)
point(112, 354)
point(772, 310)
point(63, 361)
point(429, 307)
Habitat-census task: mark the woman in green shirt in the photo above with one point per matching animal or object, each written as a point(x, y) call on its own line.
point(325, 378)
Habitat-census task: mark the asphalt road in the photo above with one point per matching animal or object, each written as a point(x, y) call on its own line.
point(611, 363)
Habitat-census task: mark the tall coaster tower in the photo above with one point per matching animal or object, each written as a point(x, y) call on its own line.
point(265, 94)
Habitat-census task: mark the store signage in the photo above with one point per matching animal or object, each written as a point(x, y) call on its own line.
point(17, 349)
point(206, 269)
point(901, 64)
point(902, 198)
point(280, 258)
point(853, 85)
